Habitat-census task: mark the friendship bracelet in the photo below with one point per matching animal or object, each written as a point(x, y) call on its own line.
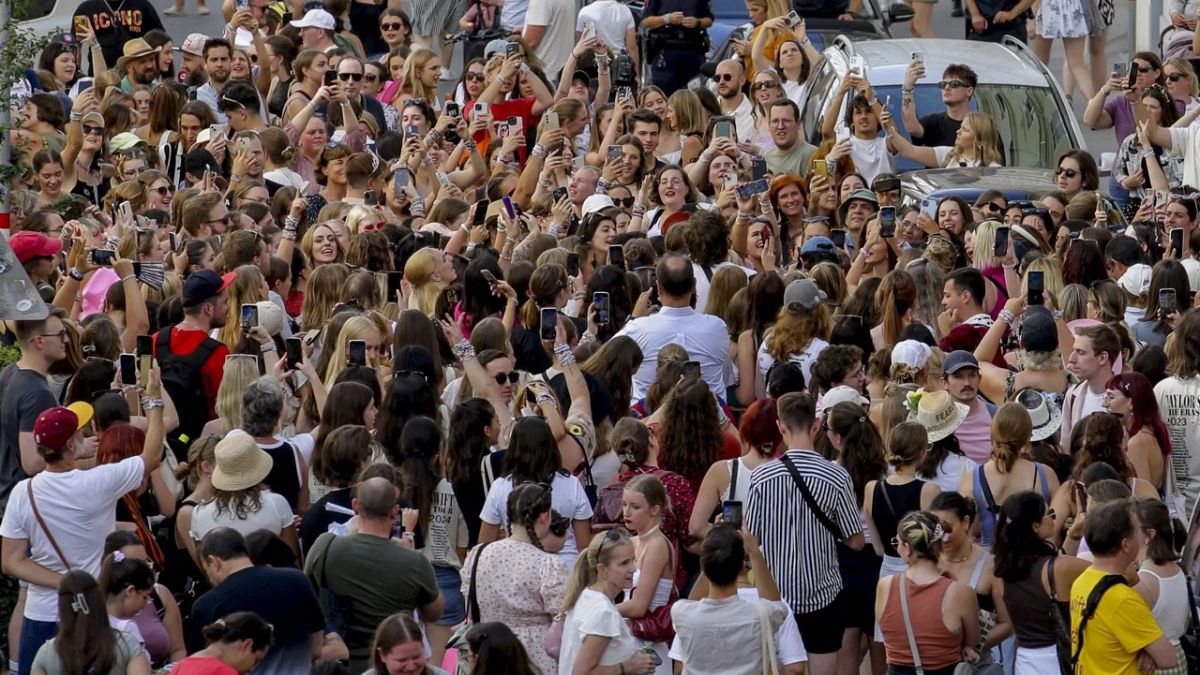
point(565, 356)
point(464, 350)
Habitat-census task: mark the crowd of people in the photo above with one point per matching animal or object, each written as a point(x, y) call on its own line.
point(566, 367)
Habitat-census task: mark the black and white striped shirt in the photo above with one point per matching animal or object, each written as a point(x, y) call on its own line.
point(800, 552)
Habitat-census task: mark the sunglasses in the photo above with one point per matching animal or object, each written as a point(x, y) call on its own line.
point(1143, 69)
point(164, 190)
point(512, 377)
point(764, 85)
point(391, 26)
point(89, 130)
point(371, 77)
point(1175, 77)
point(623, 202)
point(472, 76)
point(991, 206)
point(724, 77)
point(1069, 173)
point(346, 77)
point(951, 84)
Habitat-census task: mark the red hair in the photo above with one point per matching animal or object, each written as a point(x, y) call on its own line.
point(120, 441)
point(759, 428)
point(1144, 411)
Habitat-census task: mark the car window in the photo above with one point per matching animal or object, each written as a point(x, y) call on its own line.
point(823, 87)
point(33, 9)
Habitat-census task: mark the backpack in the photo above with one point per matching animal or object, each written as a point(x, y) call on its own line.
point(606, 514)
point(182, 380)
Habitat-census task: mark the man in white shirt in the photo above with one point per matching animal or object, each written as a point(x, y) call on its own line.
point(613, 23)
point(57, 520)
point(549, 32)
point(1096, 349)
point(705, 337)
point(731, 80)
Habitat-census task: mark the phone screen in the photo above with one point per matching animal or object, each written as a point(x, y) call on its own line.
point(887, 222)
point(600, 303)
point(369, 198)
point(249, 316)
point(1177, 241)
point(549, 325)
point(103, 256)
point(129, 369)
point(732, 513)
point(295, 352)
point(838, 236)
point(614, 153)
point(691, 369)
point(480, 212)
point(1035, 287)
point(616, 256)
point(357, 353)
point(758, 168)
point(1001, 247)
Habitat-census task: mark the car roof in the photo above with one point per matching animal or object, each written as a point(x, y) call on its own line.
point(1006, 179)
point(993, 63)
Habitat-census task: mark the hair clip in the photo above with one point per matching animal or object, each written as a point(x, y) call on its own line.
point(117, 556)
point(80, 604)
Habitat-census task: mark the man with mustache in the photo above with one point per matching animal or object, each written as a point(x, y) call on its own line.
point(960, 377)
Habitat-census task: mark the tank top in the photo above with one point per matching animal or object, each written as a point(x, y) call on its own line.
point(739, 480)
point(284, 478)
point(939, 647)
point(890, 504)
point(1030, 607)
point(1171, 608)
point(988, 507)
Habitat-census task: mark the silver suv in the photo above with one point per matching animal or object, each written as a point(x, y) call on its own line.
point(1035, 121)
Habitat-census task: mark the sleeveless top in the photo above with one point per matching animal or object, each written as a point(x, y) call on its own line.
point(890, 504)
point(1171, 609)
point(988, 507)
point(739, 480)
point(939, 646)
point(279, 98)
point(1030, 607)
point(284, 478)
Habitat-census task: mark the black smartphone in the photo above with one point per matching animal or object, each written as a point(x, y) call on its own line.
point(600, 303)
point(1000, 249)
point(129, 369)
point(1035, 287)
point(480, 214)
point(249, 316)
point(295, 352)
point(330, 77)
point(393, 284)
point(512, 49)
point(573, 264)
point(838, 236)
point(452, 109)
point(691, 369)
point(174, 242)
point(487, 274)
point(145, 355)
point(1131, 80)
point(549, 327)
point(731, 512)
point(616, 256)
point(1167, 303)
point(103, 256)
point(370, 199)
point(754, 187)
point(758, 168)
point(1177, 241)
point(887, 222)
point(558, 194)
point(357, 353)
point(145, 345)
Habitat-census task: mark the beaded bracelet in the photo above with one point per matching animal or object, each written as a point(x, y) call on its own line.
point(464, 350)
point(565, 356)
point(587, 338)
point(151, 403)
point(469, 144)
point(1006, 316)
point(539, 151)
point(290, 223)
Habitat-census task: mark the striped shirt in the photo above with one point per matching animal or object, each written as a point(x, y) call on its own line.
point(800, 552)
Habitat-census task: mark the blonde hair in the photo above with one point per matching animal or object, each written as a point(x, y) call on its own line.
point(323, 294)
point(246, 289)
point(690, 116)
point(239, 373)
point(922, 531)
point(987, 140)
point(1011, 429)
point(793, 332)
point(725, 283)
point(650, 487)
point(985, 245)
point(1185, 66)
point(414, 64)
point(357, 215)
point(306, 242)
point(598, 552)
point(355, 328)
point(419, 271)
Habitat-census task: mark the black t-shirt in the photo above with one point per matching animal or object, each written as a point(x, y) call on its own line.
point(940, 130)
point(118, 22)
point(24, 395)
point(320, 516)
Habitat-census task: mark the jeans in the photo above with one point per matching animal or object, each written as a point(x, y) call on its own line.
point(34, 634)
point(450, 584)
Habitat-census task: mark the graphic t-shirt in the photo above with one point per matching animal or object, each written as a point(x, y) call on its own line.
point(117, 23)
point(1179, 404)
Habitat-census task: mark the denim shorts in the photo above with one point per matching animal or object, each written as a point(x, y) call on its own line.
point(450, 584)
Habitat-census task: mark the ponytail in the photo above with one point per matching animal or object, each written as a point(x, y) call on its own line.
point(598, 552)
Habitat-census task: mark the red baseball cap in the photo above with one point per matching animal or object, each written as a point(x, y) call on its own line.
point(28, 245)
point(56, 426)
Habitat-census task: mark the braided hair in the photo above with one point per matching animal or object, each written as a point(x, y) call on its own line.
point(526, 503)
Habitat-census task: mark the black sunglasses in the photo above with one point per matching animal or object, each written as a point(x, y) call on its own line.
point(391, 26)
point(1069, 173)
point(623, 202)
point(89, 130)
point(951, 84)
point(472, 76)
point(346, 77)
point(1175, 77)
point(724, 77)
point(511, 376)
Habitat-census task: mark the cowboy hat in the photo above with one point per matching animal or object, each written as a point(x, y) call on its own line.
point(135, 49)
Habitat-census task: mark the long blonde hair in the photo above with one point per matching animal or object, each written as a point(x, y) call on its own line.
point(323, 294)
point(419, 271)
point(239, 373)
point(598, 552)
point(355, 328)
point(987, 140)
point(306, 242)
point(246, 289)
point(690, 116)
point(414, 64)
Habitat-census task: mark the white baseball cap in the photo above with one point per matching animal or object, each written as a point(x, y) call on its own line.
point(315, 18)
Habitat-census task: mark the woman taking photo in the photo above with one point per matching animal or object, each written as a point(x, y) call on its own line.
point(308, 70)
point(85, 642)
point(517, 582)
point(977, 143)
point(595, 635)
point(941, 615)
point(236, 644)
point(1131, 169)
point(642, 504)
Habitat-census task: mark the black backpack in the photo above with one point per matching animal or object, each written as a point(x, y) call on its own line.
point(182, 380)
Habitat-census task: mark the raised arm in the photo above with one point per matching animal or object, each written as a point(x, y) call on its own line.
point(152, 408)
point(908, 99)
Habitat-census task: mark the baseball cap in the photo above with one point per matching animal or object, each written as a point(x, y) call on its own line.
point(203, 285)
point(1136, 279)
point(1038, 330)
point(193, 44)
point(54, 427)
point(27, 245)
point(841, 394)
point(93, 117)
point(595, 203)
point(885, 182)
point(315, 18)
point(957, 360)
point(494, 47)
point(581, 75)
point(124, 141)
point(818, 244)
point(802, 295)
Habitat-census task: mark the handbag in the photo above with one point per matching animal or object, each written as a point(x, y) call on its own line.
point(1190, 640)
point(1062, 626)
point(963, 668)
point(552, 641)
point(657, 625)
point(766, 641)
point(337, 609)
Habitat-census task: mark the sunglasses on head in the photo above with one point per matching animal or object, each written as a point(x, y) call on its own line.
point(951, 84)
point(511, 376)
point(1069, 173)
point(346, 77)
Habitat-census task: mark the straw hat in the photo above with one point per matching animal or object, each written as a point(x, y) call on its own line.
point(241, 464)
point(1043, 412)
point(135, 49)
point(938, 413)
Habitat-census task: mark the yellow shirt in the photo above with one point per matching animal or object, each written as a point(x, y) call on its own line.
point(1121, 627)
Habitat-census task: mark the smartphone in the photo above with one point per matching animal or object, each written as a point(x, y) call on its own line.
point(487, 274)
point(758, 168)
point(249, 316)
point(86, 83)
point(754, 187)
point(1131, 78)
point(887, 222)
point(589, 29)
point(393, 284)
point(174, 242)
point(732, 513)
point(838, 237)
point(615, 153)
point(145, 354)
point(624, 93)
point(1167, 303)
point(481, 108)
point(549, 327)
point(103, 257)
point(401, 180)
point(242, 4)
point(509, 209)
point(81, 25)
point(723, 128)
point(842, 133)
point(145, 345)
point(129, 369)
point(917, 58)
point(1001, 247)
point(857, 64)
point(411, 130)
point(550, 120)
point(691, 369)
point(443, 179)
point(512, 49)
point(820, 167)
point(1120, 70)
point(616, 256)
point(295, 352)
point(559, 193)
point(514, 124)
point(451, 108)
point(330, 77)
point(573, 264)
point(1177, 241)
point(125, 209)
point(357, 353)
point(1035, 286)
point(369, 198)
point(480, 214)
point(600, 304)
point(792, 19)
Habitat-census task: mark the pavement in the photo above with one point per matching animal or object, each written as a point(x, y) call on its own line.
point(1118, 48)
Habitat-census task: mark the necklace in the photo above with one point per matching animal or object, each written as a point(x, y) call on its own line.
point(955, 561)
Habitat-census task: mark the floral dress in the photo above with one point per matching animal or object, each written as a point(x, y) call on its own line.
point(521, 586)
point(1065, 18)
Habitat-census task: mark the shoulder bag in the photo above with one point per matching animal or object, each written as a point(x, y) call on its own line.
point(42, 524)
point(766, 640)
point(1190, 640)
point(657, 625)
point(810, 500)
point(1062, 625)
point(336, 608)
point(963, 668)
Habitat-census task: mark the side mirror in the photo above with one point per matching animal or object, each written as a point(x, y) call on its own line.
point(900, 13)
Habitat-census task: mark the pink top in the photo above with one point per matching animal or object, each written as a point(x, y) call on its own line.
point(96, 289)
point(203, 665)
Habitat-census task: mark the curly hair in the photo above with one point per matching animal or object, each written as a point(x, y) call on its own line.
point(690, 437)
point(467, 442)
point(792, 332)
point(1102, 439)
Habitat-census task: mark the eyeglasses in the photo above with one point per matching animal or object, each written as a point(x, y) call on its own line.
point(1069, 173)
point(62, 334)
point(1175, 77)
point(723, 77)
point(951, 84)
point(371, 77)
point(769, 84)
point(512, 377)
point(391, 26)
point(222, 219)
point(472, 76)
point(89, 130)
point(346, 77)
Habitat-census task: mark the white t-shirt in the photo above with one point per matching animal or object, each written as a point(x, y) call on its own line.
point(612, 20)
point(566, 497)
point(275, 515)
point(871, 156)
point(594, 614)
point(558, 16)
point(942, 153)
point(1092, 402)
point(1179, 404)
point(789, 647)
point(79, 507)
point(804, 359)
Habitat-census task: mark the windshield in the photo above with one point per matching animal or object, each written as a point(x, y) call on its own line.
point(1032, 129)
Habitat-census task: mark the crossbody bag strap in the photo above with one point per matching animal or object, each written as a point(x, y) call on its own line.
point(1194, 627)
point(810, 500)
point(472, 598)
point(733, 478)
point(908, 628)
point(988, 499)
point(42, 523)
point(887, 499)
point(1089, 610)
point(767, 639)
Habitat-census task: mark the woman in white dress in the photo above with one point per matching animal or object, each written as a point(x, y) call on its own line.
point(1068, 20)
point(642, 504)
